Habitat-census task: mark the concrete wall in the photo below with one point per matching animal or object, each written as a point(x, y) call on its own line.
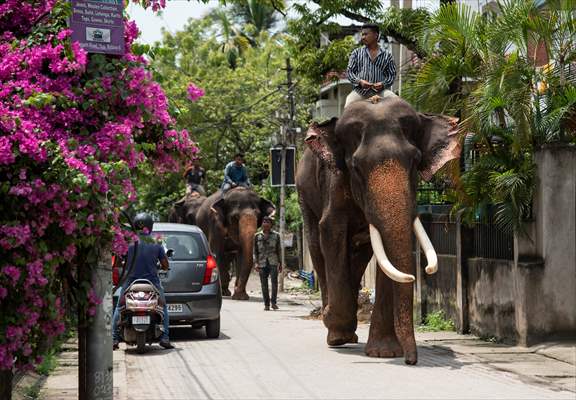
point(555, 207)
point(491, 298)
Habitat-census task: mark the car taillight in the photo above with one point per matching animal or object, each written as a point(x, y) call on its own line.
point(115, 276)
point(211, 273)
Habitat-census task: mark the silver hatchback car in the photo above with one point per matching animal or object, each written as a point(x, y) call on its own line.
point(192, 284)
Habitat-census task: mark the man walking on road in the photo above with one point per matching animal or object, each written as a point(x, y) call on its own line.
point(266, 254)
point(371, 69)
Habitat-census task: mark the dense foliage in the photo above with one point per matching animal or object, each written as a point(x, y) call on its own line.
point(486, 69)
point(73, 128)
point(508, 75)
point(238, 60)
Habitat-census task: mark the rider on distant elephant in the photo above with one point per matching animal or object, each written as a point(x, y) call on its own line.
point(235, 174)
point(195, 176)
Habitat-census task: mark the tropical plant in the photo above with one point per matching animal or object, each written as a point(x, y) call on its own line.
point(485, 69)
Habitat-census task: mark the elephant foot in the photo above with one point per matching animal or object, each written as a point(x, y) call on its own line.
point(240, 296)
point(411, 357)
point(386, 347)
point(226, 292)
point(339, 338)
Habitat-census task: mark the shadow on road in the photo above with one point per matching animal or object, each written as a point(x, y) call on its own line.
point(428, 356)
point(185, 334)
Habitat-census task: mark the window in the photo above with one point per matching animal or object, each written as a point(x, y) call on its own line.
point(186, 246)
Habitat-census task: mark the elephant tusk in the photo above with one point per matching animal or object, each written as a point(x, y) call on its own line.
point(213, 210)
point(427, 247)
point(272, 214)
point(385, 264)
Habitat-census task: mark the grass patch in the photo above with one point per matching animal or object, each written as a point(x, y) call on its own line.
point(32, 392)
point(303, 288)
point(49, 362)
point(436, 322)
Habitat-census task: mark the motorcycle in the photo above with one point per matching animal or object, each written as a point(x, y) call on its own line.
point(141, 315)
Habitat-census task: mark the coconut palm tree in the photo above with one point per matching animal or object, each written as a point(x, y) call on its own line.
point(242, 25)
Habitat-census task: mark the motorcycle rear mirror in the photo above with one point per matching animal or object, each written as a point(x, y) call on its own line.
point(170, 253)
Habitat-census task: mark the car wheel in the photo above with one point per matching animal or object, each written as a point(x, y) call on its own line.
point(213, 328)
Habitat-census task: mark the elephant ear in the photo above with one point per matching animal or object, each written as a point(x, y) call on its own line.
point(438, 141)
point(219, 210)
point(320, 138)
point(266, 208)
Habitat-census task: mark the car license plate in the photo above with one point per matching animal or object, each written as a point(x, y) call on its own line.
point(175, 308)
point(140, 320)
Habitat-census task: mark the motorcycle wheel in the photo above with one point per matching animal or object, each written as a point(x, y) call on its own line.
point(141, 342)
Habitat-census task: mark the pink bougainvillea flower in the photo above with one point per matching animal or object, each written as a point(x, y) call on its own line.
point(194, 92)
point(70, 143)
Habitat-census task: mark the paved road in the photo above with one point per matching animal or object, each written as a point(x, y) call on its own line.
point(280, 355)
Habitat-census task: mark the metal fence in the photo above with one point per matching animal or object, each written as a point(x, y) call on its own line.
point(442, 234)
point(491, 242)
point(488, 240)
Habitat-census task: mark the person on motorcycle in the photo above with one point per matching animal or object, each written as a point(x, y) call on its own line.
point(148, 254)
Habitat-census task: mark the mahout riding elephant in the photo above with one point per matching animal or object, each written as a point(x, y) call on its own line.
point(184, 210)
point(230, 222)
point(357, 187)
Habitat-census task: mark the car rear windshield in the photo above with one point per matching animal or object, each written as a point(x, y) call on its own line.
point(186, 245)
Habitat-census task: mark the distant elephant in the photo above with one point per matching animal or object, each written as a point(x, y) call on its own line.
point(230, 222)
point(357, 187)
point(184, 210)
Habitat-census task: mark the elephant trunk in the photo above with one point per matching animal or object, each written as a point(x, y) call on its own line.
point(391, 216)
point(247, 226)
point(391, 203)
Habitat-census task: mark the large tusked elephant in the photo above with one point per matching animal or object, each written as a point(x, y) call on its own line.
point(230, 222)
point(357, 185)
point(184, 210)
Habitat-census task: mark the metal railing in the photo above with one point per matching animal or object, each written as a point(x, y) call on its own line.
point(488, 240)
point(491, 242)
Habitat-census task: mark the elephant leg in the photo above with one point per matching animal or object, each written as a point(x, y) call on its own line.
point(241, 279)
point(403, 320)
point(382, 340)
point(358, 261)
point(339, 315)
point(224, 266)
point(313, 233)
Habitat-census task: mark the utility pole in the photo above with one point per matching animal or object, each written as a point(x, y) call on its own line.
point(95, 337)
point(282, 206)
point(287, 127)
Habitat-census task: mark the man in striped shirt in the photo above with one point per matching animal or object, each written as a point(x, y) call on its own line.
point(371, 70)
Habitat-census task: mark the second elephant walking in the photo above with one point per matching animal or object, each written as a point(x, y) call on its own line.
point(230, 221)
